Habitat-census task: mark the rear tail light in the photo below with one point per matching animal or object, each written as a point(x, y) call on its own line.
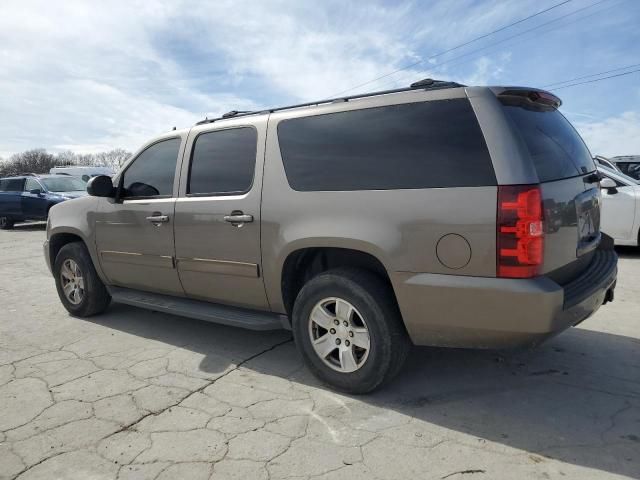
point(520, 231)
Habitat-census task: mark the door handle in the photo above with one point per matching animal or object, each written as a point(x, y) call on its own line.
point(158, 218)
point(238, 218)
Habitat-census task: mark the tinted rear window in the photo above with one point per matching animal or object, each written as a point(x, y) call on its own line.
point(223, 162)
point(415, 145)
point(556, 149)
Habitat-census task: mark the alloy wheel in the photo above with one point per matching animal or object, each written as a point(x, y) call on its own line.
point(339, 335)
point(72, 281)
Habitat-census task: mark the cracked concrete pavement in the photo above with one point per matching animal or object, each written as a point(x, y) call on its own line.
point(133, 394)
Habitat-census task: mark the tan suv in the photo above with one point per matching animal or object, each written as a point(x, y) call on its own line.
point(435, 215)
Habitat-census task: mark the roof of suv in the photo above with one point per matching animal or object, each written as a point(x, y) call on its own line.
point(426, 84)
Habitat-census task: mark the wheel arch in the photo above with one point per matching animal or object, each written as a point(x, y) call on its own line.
point(59, 240)
point(302, 264)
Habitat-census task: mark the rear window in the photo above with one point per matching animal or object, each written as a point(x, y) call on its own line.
point(11, 184)
point(556, 149)
point(407, 146)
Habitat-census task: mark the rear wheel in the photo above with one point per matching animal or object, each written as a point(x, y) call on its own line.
point(6, 223)
point(80, 289)
point(349, 331)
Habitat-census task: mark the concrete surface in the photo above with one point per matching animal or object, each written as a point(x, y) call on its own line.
point(133, 394)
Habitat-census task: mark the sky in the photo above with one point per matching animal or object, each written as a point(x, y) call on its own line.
point(90, 76)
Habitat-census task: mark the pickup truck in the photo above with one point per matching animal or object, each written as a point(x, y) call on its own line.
point(29, 197)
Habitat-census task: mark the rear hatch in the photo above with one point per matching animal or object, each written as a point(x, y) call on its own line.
point(568, 181)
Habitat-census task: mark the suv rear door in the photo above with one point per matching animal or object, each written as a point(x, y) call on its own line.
point(217, 218)
point(10, 197)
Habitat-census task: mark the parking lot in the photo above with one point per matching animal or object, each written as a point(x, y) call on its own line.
point(134, 394)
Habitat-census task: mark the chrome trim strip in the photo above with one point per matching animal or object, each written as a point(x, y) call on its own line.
point(149, 200)
point(212, 197)
point(222, 267)
point(134, 258)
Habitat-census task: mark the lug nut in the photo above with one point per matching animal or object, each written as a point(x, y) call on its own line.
point(337, 341)
point(346, 342)
point(333, 331)
point(351, 334)
point(336, 321)
point(345, 323)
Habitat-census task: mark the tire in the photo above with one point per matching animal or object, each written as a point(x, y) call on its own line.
point(6, 223)
point(91, 295)
point(374, 312)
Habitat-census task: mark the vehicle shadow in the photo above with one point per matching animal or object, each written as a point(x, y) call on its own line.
point(628, 252)
point(575, 399)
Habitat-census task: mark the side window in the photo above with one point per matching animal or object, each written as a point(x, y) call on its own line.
point(11, 185)
point(630, 169)
point(31, 184)
point(223, 162)
point(151, 174)
point(415, 145)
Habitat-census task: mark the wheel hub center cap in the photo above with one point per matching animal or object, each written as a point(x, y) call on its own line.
point(342, 332)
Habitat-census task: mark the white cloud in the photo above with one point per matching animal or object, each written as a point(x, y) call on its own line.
point(618, 135)
point(86, 75)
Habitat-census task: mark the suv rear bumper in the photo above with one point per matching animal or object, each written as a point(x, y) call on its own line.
point(480, 312)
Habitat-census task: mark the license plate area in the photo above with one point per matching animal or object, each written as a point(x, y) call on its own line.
point(588, 221)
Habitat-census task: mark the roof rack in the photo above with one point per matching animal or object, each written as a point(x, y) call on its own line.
point(426, 84)
point(26, 175)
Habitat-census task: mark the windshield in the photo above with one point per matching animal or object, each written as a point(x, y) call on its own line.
point(63, 184)
point(556, 149)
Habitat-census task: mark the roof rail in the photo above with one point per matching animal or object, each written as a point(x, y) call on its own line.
point(426, 84)
point(26, 175)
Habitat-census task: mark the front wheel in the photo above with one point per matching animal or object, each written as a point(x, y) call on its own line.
point(6, 223)
point(80, 289)
point(348, 330)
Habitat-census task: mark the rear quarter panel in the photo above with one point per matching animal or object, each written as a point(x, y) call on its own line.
point(401, 228)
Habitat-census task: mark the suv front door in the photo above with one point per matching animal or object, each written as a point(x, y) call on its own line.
point(34, 205)
point(217, 227)
point(134, 231)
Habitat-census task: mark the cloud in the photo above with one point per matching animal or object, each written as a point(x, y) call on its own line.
point(93, 75)
point(617, 135)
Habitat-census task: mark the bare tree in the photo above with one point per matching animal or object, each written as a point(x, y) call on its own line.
point(40, 161)
point(113, 158)
point(32, 161)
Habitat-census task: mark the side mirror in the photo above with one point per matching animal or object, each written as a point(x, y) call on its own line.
point(100, 186)
point(35, 191)
point(609, 185)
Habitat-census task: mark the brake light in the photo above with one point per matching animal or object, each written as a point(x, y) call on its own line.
point(520, 231)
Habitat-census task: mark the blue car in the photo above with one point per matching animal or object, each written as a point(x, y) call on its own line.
point(29, 197)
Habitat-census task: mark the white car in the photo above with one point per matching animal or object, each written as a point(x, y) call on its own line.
point(83, 172)
point(620, 207)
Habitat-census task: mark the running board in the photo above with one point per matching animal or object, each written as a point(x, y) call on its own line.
point(210, 312)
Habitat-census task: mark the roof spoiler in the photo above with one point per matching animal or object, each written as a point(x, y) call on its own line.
point(530, 95)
